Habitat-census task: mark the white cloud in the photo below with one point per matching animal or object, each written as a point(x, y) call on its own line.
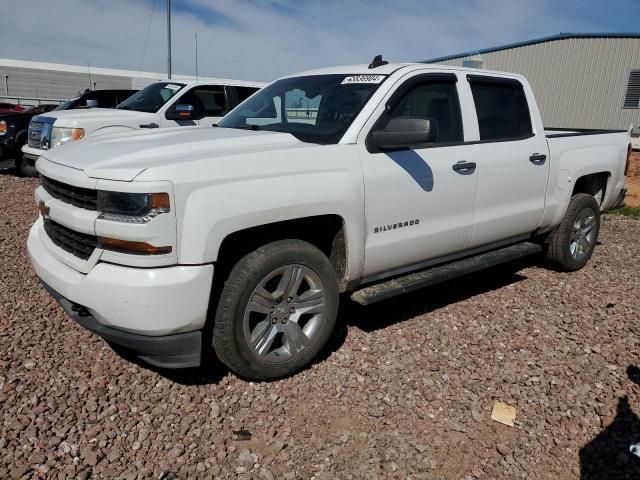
point(261, 40)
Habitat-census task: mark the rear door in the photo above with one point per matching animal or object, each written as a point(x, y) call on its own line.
point(512, 160)
point(419, 202)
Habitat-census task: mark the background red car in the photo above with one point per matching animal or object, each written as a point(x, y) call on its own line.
point(10, 107)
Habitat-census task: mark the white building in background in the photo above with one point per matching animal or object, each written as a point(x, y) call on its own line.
point(580, 80)
point(29, 83)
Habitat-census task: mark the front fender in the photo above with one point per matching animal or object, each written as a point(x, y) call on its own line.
point(208, 214)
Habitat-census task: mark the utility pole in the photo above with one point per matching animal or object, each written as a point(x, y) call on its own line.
point(196, 57)
point(89, 72)
point(6, 83)
point(169, 37)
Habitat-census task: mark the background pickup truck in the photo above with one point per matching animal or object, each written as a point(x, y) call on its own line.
point(161, 104)
point(13, 131)
point(373, 180)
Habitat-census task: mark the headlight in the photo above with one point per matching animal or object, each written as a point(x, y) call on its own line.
point(132, 207)
point(61, 135)
point(3, 128)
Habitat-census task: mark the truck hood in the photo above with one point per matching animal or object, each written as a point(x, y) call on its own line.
point(93, 118)
point(125, 156)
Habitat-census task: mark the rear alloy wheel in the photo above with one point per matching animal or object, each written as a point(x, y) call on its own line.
point(276, 311)
point(572, 244)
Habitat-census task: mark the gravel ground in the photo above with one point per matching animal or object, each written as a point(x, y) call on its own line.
point(405, 391)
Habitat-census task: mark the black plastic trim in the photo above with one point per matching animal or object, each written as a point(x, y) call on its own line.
point(495, 80)
point(182, 350)
point(577, 132)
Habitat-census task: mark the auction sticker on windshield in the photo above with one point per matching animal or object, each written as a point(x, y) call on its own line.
point(363, 79)
point(173, 87)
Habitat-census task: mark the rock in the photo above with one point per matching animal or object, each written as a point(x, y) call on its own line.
point(503, 449)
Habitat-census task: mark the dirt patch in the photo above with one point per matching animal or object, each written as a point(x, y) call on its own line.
point(405, 391)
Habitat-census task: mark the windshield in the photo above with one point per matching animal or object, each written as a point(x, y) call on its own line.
point(315, 108)
point(68, 105)
point(151, 98)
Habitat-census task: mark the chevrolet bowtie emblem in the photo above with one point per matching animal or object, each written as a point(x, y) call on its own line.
point(44, 210)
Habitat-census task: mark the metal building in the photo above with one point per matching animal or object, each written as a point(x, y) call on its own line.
point(580, 80)
point(30, 83)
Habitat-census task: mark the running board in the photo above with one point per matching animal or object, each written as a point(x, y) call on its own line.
point(434, 275)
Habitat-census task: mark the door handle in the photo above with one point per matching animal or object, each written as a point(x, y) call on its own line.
point(464, 168)
point(538, 158)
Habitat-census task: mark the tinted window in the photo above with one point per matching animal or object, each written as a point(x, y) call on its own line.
point(106, 99)
point(245, 92)
point(502, 110)
point(207, 101)
point(435, 101)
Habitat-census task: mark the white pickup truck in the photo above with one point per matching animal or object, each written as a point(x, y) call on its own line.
point(239, 239)
point(159, 105)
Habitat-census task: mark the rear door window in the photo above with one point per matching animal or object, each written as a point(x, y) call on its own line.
point(502, 109)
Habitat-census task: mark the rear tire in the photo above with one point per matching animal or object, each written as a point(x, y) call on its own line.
point(276, 311)
point(572, 244)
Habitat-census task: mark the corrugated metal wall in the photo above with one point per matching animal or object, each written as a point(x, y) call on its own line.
point(33, 83)
point(578, 82)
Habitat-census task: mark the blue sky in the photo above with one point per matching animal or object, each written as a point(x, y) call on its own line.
point(263, 39)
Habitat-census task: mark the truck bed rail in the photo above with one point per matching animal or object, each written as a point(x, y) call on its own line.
point(576, 132)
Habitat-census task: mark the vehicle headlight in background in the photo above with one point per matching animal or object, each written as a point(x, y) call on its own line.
point(132, 207)
point(3, 128)
point(62, 135)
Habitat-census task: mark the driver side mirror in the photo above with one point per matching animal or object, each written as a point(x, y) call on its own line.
point(405, 132)
point(181, 112)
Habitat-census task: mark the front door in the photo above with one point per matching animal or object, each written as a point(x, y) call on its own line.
point(419, 202)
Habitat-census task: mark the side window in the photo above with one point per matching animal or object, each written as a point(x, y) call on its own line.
point(437, 101)
point(245, 92)
point(207, 101)
point(502, 110)
point(106, 99)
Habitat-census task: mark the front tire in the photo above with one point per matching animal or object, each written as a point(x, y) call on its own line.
point(572, 244)
point(26, 167)
point(276, 311)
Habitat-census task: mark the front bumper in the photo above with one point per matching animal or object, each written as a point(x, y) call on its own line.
point(156, 312)
point(182, 350)
point(32, 153)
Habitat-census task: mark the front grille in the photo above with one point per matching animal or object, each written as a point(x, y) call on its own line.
point(35, 132)
point(76, 196)
point(79, 244)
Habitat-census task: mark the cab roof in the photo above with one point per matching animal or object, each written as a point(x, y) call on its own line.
point(388, 69)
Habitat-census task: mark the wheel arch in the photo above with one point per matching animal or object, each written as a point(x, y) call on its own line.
point(325, 232)
point(594, 184)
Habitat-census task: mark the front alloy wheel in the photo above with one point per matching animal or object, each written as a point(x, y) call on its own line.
point(276, 311)
point(284, 314)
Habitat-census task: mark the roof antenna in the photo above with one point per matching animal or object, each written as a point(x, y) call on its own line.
point(377, 62)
